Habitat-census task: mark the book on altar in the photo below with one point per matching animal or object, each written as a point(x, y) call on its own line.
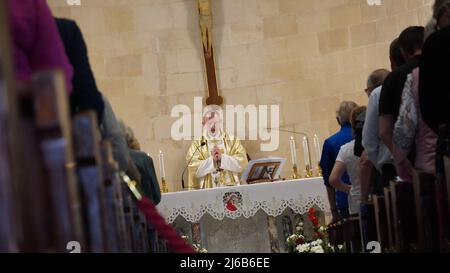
point(263, 170)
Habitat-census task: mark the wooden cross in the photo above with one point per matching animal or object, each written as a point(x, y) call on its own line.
point(205, 18)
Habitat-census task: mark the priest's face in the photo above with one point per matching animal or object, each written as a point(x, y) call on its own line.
point(212, 123)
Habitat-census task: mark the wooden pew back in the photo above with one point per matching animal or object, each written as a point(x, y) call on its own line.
point(54, 136)
point(8, 136)
point(426, 214)
point(87, 152)
point(381, 221)
point(404, 216)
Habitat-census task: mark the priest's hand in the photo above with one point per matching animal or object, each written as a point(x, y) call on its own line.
point(217, 155)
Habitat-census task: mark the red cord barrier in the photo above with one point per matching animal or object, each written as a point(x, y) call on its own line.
point(175, 242)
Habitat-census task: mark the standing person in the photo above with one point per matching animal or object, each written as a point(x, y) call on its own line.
point(149, 183)
point(434, 100)
point(410, 41)
point(85, 95)
point(375, 153)
point(331, 147)
point(36, 42)
point(347, 161)
point(434, 85)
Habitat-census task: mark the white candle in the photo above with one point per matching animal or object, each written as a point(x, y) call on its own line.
point(306, 151)
point(161, 164)
point(317, 148)
point(293, 151)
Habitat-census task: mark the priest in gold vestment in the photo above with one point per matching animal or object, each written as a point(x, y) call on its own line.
point(217, 159)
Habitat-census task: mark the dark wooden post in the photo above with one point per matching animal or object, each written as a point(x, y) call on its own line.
point(404, 215)
point(9, 134)
point(425, 200)
point(381, 221)
point(389, 218)
point(53, 125)
point(86, 141)
point(109, 170)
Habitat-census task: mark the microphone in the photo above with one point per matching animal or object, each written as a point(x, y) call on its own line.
point(203, 143)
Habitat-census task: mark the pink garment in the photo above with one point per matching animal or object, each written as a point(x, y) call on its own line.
point(36, 41)
point(426, 139)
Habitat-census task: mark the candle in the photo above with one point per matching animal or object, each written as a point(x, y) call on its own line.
point(306, 152)
point(293, 151)
point(161, 164)
point(317, 148)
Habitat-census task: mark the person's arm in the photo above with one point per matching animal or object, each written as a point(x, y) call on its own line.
point(331, 193)
point(154, 189)
point(406, 125)
point(386, 128)
point(335, 177)
point(48, 51)
point(229, 163)
point(205, 167)
point(326, 162)
point(326, 166)
point(365, 175)
point(370, 138)
point(89, 97)
point(133, 172)
point(110, 130)
point(405, 131)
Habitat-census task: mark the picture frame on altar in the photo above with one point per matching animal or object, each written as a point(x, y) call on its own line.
point(263, 170)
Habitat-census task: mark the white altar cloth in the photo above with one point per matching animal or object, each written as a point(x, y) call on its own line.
point(246, 200)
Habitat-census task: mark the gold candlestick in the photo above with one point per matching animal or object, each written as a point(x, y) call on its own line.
point(164, 188)
point(319, 170)
point(295, 174)
point(318, 151)
point(308, 171)
point(307, 155)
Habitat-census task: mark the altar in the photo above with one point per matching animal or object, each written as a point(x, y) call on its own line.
point(245, 219)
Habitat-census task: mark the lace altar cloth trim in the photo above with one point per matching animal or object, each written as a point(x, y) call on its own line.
point(246, 200)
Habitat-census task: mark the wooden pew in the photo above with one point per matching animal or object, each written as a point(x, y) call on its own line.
point(381, 221)
point(447, 196)
point(54, 135)
point(389, 220)
point(137, 228)
point(86, 142)
point(111, 198)
point(352, 234)
point(404, 216)
point(144, 231)
point(336, 233)
point(368, 225)
point(129, 217)
point(124, 237)
point(114, 197)
point(9, 148)
point(426, 214)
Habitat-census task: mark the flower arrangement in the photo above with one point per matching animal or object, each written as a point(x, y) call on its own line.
point(299, 242)
point(197, 247)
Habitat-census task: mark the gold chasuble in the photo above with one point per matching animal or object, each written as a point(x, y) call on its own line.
point(204, 173)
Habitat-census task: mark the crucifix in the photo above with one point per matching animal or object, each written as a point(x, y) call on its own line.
point(205, 18)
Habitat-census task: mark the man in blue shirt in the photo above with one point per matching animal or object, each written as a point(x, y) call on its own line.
point(331, 147)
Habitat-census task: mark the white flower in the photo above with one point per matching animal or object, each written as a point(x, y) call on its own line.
point(292, 238)
point(322, 229)
point(340, 247)
point(317, 242)
point(304, 248)
point(298, 228)
point(317, 249)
